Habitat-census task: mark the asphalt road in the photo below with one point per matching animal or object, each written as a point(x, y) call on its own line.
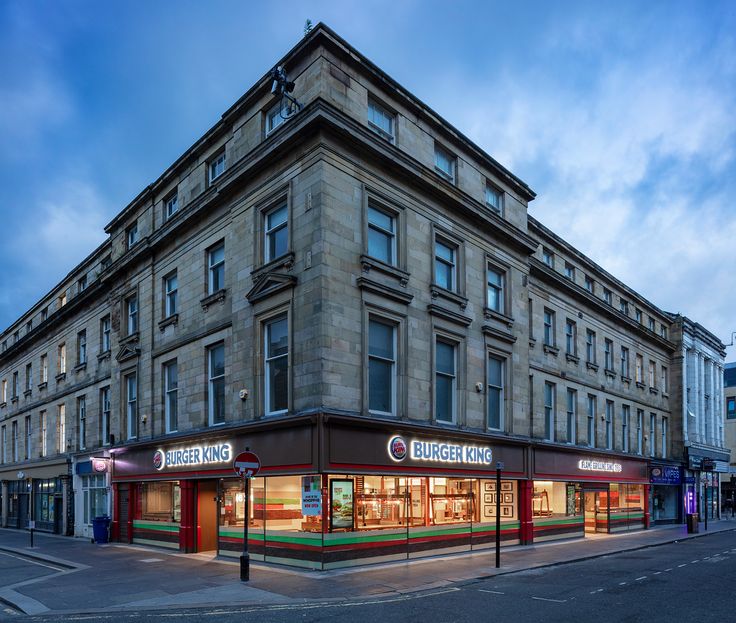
point(682, 581)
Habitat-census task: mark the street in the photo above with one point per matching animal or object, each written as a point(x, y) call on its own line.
point(679, 581)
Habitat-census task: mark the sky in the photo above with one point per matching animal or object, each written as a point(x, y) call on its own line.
point(621, 116)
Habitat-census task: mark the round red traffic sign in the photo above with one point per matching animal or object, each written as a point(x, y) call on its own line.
point(247, 464)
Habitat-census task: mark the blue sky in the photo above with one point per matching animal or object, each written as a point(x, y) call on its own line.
point(619, 115)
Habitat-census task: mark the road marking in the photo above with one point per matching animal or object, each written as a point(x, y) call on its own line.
point(641, 578)
point(557, 601)
point(33, 562)
point(682, 565)
point(692, 562)
point(596, 591)
point(151, 560)
point(670, 569)
point(482, 590)
point(656, 573)
point(622, 583)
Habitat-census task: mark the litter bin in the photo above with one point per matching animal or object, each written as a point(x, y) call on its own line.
point(100, 529)
point(692, 523)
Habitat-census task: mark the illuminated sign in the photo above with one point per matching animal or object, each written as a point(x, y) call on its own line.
point(590, 465)
point(439, 452)
point(192, 456)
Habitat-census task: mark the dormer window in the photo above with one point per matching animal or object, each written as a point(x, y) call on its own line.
point(172, 205)
point(381, 121)
point(494, 199)
point(444, 163)
point(217, 166)
point(131, 234)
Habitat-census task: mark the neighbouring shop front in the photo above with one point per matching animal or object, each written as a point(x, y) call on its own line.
point(702, 481)
point(40, 494)
point(91, 491)
point(578, 494)
point(361, 499)
point(667, 503)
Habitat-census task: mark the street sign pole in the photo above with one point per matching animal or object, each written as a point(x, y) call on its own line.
point(499, 467)
point(246, 465)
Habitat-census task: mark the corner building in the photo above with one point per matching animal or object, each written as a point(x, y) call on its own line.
point(352, 289)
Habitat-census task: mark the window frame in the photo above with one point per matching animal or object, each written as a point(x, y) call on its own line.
point(498, 288)
point(61, 358)
point(639, 431)
point(550, 410)
point(549, 337)
point(390, 135)
point(608, 354)
point(609, 414)
point(625, 362)
point(171, 200)
point(503, 360)
point(269, 232)
point(213, 173)
point(392, 361)
point(212, 380)
point(625, 423)
point(105, 334)
point(268, 363)
point(453, 376)
point(275, 112)
point(171, 396)
point(131, 236)
point(442, 152)
point(571, 337)
point(82, 422)
point(82, 347)
point(390, 235)
point(493, 191)
point(105, 416)
point(130, 381)
point(569, 271)
point(171, 295)
point(592, 408)
point(572, 415)
point(61, 443)
point(132, 324)
point(590, 284)
point(452, 263)
point(548, 257)
point(590, 347)
point(652, 434)
point(213, 269)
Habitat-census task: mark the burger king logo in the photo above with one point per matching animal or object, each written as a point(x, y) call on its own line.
point(397, 448)
point(158, 460)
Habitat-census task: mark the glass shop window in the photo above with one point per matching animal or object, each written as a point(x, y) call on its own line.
point(508, 496)
point(232, 509)
point(381, 502)
point(160, 501)
point(280, 505)
point(451, 500)
point(556, 499)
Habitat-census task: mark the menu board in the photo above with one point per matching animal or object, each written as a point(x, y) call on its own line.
point(341, 504)
point(311, 496)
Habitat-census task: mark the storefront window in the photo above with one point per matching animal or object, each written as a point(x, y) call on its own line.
point(280, 504)
point(232, 511)
point(160, 501)
point(43, 503)
point(665, 502)
point(381, 502)
point(626, 506)
point(94, 491)
point(508, 500)
point(556, 499)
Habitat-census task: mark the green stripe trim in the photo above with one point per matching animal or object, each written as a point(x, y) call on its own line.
point(378, 538)
point(155, 525)
point(552, 522)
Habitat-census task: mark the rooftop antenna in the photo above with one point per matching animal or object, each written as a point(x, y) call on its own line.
point(307, 27)
point(281, 87)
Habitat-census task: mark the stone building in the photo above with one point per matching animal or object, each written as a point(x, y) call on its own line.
point(339, 280)
point(728, 484)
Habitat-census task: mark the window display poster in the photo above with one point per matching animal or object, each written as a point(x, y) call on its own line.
point(341, 504)
point(311, 496)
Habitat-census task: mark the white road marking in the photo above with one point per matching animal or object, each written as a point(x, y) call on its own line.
point(151, 560)
point(694, 561)
point(622, 583)
point(682, 565)
point(482, 590)
point(598, 590)
point(670, 569)
point(656, 573)
point(33, 562)
point(557, 601)
point(641, 578)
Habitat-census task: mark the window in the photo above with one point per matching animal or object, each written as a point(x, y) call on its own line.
point(639, 431)
point(81, 347)
point(549, 327)
point(639, 369)
point(381, 367)
point(16, 336)
point(131, 234)
point(592, 408)
point(170, 293)
point(381, 235)
point(496, 372)
point(106, 262)
point(624, 362)
point(29, 326)
point(171, 392)
point(381, 120)
point(495, 297)
point(569, 271)
point(445, 274)
point(589, 284)
point(105, 415)
point(548, 257)
point(731, 408)
point(663, 380)
point(652, 433)
point(131, 405)
point(28, 437)
point(663, 331)
point(277, 366)
point(82, 421)
point(15, 385)
point(217, 166)
point(216, 270)
point(216, 384)
point(4, 391)
point(625, 412)
point(62, 358)
point(637, 315)
point(571, 333)
point(624, 307)
point(105, 334)
point(609, 425)
point(590, 346)
point(445, 381)
point(44, 434)
point(652, 324)
point(82, 284)
point(172, 205)
point(278, 113)
point(444, 163)
point(277, 233)
point(29, 376)
point(608, 296)
point(652, 373)
point(44, 368)
point(61, 429)
point(4, 442)
point(14, 440)
point(44, 314)
point(664, 437)
point(62, 300)
point(131, 310)
point(494, 199)
point(608, 354)
point(550, 415)
point(572, 412)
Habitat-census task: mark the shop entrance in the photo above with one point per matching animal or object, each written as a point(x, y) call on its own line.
point(207, 516)
point(596, 511)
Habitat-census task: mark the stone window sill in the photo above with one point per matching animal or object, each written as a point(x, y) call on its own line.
point(27, 393)
point(492, 314)
point(440, 292)
point(169, 321)
point(591, 366)
point(61, 377)
point(653, 390)
point(572, 358)
point(42, 386)
point(640, 385)
point(610, 373)
point(285, 261)
point(81, 366)
point(369, 263)
point(105, 355)
point(215, 297)
point(552, 350)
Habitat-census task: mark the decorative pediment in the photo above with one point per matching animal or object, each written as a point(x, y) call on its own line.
point(128, 351)
point(268, 284)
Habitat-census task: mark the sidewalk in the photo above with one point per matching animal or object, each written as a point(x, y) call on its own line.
point(76, 576)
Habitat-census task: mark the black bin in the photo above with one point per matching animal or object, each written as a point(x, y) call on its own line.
point(692, 523)
point(101, 528)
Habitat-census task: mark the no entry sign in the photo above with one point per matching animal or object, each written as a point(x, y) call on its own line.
point(247, 464)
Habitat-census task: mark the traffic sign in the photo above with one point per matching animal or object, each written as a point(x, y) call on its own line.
point(247, 464)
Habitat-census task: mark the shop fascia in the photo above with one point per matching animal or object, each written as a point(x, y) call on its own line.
point(193, 456)
point(438, 452)
point(595, 465)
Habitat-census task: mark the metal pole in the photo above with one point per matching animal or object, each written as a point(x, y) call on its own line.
point(706, 501)
point(498, 517)
point(245, 558)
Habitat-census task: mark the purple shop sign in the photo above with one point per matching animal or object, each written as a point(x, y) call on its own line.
point(665, 475)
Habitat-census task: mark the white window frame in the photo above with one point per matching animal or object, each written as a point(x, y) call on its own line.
point(171, 396)
point(590, 284)
point(14, 440)
point(652, 373)
point(44, 368)
point(269, 360)
point(131, 405)
point(29, 377)
point(496, 287)
point(62, 358)
point(494, 198)
point(625, 362)
point(383, 113)
point(82, 347)
point(639, 368)
point(61, 428)
point(211, 380)
point(592, 412)
point(216, 166)
point(131, 237)
point(625, 422)
point(572, 415)
point(213, 266)
point(609, 424)
point(389, 234)
point(451, 263)
point(550, 410)
point(392, 361)
point(452, 375)
point(131, 314)
point(652, 433)
point(105, 415)
point(270, 232)
point(171, 291)
point(442, 155)
point(490, 389)
point(548, 257)
point(664, 379)
point(172, 205)
point(82, 421)
point(571, 331)
point(639, 431)
point(608, 354)
point(608, 296)
point(105, 325)
point(44, 433)
point(28, 436)
point(275, 116)
point(590, 346)
point(663, 431)
point(570, 271)
point(548, 337)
